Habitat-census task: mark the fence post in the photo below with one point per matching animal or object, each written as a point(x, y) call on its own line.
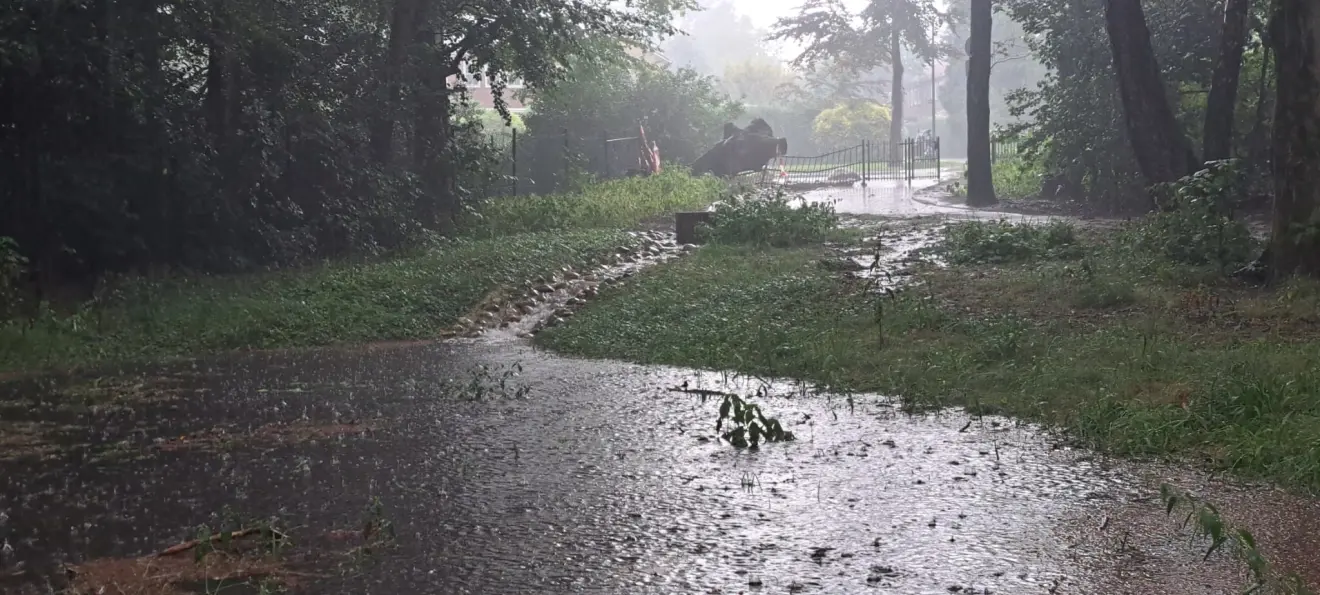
point(937, 159)
point(909, 157)
point(605, 153)
point(567, 152)
point(514, 160)
point(866, 161)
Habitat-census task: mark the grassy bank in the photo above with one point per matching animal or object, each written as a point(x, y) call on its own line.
point(404, 297)
point(610, 205)
point(1101, 333)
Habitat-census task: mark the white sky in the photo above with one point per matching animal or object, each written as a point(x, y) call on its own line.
point(764, 13)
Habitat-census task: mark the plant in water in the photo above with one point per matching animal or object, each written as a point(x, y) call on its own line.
point(1209, 523)
point(487, 381)
point(747, 424)
point(769, 219)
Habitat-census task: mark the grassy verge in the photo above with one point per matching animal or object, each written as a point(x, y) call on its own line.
point(608, 205)
point(408, 297)
point(1124, 347)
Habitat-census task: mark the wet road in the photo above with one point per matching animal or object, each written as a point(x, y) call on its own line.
point(507, 470)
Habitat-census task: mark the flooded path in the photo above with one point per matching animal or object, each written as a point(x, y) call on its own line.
point(503, 469)
point(587, 476)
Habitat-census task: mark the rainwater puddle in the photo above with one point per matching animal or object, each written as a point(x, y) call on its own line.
point(601, 478)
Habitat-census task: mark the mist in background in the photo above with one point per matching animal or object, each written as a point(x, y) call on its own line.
point(726, 39)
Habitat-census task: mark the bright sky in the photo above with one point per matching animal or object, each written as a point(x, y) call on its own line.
point(764, 13)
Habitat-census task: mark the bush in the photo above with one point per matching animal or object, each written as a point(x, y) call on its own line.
point(1016, 177)
point(1194, 225)
point(850, 124)
point(769, 219)
point(614, 203)
point(970, 242)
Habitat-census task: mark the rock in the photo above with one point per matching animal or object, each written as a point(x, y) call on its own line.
point(563, 312)
point(688, 247)
point(576, 301)
point(590, 277)
point(572, 275)
point(561, 285)
point(545, 289)
point(472, 334)
point(504, 324)
point(494, 308)
point(523, 335)
point(514, 318)
point(624, 250)
point(464, 322)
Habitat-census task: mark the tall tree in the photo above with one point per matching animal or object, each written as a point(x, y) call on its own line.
point(1295, 243)
point(1162, 150)
point(980, 180)
point(873, 37)
point(1222, 101)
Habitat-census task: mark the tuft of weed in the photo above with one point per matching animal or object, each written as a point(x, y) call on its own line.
point(747, 424)
point(1207, 521)
point(1001, 241)
point(769, 219)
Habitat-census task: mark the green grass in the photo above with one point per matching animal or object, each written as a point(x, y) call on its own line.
point(409, 297)
point(612, 204)
point(1128, 352)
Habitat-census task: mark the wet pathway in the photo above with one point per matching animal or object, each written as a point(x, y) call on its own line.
point(503, 469)
point(585, 476)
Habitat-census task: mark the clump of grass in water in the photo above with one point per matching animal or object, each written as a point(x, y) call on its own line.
point(1209, 523)
point(975, 242)
point(769, 219)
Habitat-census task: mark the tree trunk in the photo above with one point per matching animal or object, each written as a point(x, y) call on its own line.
point(980, 180)
point(896, 98)
point(1295, 242)
point(1221, 104)
point(403, 27)
point(1162, 151)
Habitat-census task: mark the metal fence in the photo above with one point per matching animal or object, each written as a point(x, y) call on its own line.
point(547, 163)
point(1004, 148)
point(870, 160)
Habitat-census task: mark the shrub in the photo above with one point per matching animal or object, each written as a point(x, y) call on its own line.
point(850, 124)
point(1016, 177)
point(1194, 225)
point(769, 219)
point(1003, 242)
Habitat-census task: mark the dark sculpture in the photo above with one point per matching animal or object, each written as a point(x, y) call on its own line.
point(741, 150)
